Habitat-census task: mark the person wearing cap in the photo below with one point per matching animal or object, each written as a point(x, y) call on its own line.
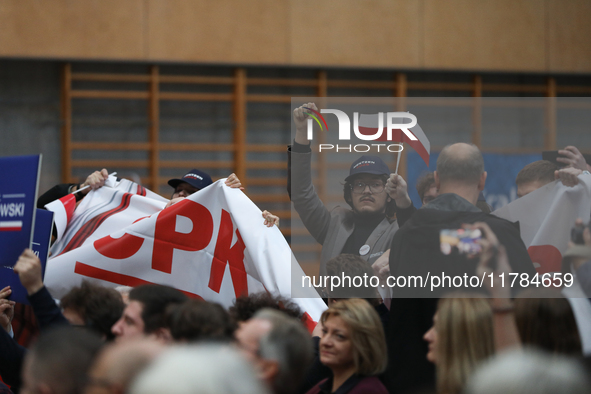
point(366, 228)
point(195, 180)
point(192, 182)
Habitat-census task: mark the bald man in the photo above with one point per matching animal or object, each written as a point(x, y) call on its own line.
point(415, 251)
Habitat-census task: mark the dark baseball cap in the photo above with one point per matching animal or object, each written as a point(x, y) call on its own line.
point(195, 178)
point(368, 165)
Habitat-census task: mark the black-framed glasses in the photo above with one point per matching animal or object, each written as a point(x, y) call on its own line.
point(375, 187)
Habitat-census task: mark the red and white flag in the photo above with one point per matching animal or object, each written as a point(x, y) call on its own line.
point(369, 125)
point(63, 210)
point(546, 217)
point(212, 245)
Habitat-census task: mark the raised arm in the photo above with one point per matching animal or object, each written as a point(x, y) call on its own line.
point(493, 259)
point(95, 180)
point(28, 268)
point(306, 202)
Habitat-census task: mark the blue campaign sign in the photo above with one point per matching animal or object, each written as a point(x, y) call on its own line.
point(40, 245)
point(19, 178)
point(502, 170)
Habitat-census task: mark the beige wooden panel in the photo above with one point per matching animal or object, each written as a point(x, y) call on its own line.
point(502, 35)
point(218, 31)
point(105, 29)
point(569, 35)
point(369, 33)
point(496, 35)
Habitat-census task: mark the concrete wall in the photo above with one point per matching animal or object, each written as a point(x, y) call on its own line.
point(501, 35)
point(30, 114)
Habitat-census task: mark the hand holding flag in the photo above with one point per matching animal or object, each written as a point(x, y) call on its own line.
point(95, 180)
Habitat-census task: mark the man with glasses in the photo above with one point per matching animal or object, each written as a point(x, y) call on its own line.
point(373, 194)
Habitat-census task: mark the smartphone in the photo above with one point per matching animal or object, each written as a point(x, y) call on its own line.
point(465, 241)
point(552, 155)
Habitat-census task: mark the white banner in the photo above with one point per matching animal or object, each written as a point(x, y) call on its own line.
point(546, 217)
point(212, 245)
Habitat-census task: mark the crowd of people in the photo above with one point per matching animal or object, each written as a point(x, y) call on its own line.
point(500, 339)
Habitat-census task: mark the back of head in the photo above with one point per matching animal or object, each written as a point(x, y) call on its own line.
point(199, 369)
point(352, 266)
point(245, 307)
point(289, 343)
point(100, 307)
point(545, 319)
point(541, 171)
point(460, 164)
point(155, 299)
point(198, 320)
point(60, 360)
point(120, 363)
point(465, 338)
point(367, 334)
point(529, 372)
point(424, 183)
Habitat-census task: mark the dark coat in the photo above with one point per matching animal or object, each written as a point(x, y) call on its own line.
point(416, 251)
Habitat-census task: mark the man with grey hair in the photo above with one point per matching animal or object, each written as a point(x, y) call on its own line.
point(415, 252)
point(279, 347)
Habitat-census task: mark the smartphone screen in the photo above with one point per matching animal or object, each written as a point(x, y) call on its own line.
point(465, 241)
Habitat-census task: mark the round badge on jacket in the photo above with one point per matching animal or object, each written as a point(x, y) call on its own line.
point(364, 250)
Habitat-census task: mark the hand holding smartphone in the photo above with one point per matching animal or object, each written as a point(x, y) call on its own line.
point(466, 241)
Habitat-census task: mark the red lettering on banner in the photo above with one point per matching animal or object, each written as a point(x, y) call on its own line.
point(224, 254)
point(167, 239)
point(547, 256)
point(115, 277)
point(120, 248)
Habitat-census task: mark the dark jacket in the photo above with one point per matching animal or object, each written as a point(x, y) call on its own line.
point(332, 228)
point(55, 193)
point(416, 251)
point(354, 385)
point(12, 354)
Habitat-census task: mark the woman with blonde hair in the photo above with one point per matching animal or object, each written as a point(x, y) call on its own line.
point(353, 346)
point(461, 337)
point(467, 328)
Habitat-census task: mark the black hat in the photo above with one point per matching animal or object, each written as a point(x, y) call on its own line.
point(368, 165)
point(195, 178)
